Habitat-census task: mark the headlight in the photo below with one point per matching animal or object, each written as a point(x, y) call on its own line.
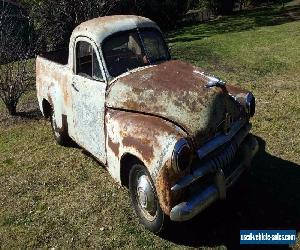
point(250, 104)
point(182, 155)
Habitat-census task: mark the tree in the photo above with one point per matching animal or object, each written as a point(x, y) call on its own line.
point(15, 78)
point(54, 20)
point(165, 12)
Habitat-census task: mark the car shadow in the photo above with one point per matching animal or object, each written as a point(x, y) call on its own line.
point(20, 117)
point(267, 198)
point(34, 114)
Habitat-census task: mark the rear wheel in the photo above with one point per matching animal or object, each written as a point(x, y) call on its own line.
point(60, 135)
point(144, 199)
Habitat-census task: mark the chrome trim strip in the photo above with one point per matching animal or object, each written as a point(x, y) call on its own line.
point(189, 179)
point(187, 210)
point(219, 140)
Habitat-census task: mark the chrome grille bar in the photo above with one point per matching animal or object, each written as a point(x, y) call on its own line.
point(219, 140)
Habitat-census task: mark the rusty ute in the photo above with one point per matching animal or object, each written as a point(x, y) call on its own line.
point(177, 137)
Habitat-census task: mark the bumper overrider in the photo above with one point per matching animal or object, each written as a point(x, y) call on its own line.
point(217, 173)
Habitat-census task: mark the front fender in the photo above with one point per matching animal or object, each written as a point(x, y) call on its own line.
point(149, 138)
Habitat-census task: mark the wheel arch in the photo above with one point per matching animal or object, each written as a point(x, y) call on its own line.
point(47, 108)
point(126, 163)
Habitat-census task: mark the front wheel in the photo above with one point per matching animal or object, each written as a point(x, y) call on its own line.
point(144, 199)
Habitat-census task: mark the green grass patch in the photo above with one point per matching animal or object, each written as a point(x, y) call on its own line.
point(246, 46)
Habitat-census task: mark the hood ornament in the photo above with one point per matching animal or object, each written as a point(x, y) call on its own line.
point(215, 82)
point(212, 80)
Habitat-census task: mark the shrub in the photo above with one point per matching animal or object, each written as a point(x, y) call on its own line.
point(15, 80)
point(15, 77)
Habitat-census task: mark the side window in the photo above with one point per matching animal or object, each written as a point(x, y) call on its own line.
point(87, 64)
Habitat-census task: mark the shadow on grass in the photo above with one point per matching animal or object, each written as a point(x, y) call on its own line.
point(242, 21)
point(7, 120)
point(268, 198)
point(34, 114)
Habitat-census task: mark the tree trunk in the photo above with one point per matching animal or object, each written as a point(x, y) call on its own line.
point(12, 110)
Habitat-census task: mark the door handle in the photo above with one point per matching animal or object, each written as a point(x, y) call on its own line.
point(74, 87)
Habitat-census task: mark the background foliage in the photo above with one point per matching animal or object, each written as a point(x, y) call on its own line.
point(53, 21)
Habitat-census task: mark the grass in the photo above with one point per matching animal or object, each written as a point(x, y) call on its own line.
point(53, 197)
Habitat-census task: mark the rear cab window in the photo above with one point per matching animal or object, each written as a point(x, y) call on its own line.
point(87, 64)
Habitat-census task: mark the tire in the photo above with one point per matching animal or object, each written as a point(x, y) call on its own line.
point(142, 192)
point(61, 136)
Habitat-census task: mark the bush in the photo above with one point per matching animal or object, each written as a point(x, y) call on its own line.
point(15, 79)
point(15, 75)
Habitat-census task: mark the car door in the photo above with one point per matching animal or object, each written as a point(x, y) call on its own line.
point(88, 98)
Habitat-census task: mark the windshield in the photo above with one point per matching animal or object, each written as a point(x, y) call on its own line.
point(132, 49)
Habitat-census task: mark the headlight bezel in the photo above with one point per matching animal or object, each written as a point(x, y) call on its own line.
point(182, 155)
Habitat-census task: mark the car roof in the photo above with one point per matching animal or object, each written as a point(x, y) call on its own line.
point(100, 28)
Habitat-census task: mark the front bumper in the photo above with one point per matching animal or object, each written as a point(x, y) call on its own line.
point(216, 190)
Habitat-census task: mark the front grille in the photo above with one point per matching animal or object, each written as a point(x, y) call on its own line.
point(222, 157)
point(225, 157)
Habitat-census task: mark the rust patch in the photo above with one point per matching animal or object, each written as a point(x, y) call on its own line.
point(139, 122)
point(165, 180)
point(131, 105)
point(114, 147)
point(143, 145)
point(176, 76)
point(65, 90)
point(235, 90)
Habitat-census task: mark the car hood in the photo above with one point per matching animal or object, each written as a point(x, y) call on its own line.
point(176, 91)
